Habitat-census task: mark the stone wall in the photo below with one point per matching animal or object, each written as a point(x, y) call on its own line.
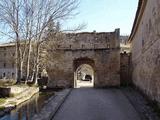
point(125, 68)
point(146, 50)
point(100, 50)
point(7, 61)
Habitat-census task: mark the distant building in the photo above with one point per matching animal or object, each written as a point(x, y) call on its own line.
point(7, 61)
point(125, 46)
point(124, 39)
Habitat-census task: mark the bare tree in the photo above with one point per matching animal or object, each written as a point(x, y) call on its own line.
point(10, 16)
point(26, 22)
point(49, 11)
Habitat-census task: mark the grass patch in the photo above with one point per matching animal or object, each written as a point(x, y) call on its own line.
point(2, 108)
point(13, 95)
point(2, 101)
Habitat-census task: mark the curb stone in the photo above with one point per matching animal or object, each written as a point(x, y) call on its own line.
point(54, 103)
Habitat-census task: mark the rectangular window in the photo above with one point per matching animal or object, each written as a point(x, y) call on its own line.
point(4, 74)
point(12, 75)
point(4, 65)
point(58, 46)
point(82, 46)
point(142, 42)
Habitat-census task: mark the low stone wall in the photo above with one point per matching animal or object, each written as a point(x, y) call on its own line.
point(18, 89)
point(11, 91)
point(5, 92)
point(20, 95)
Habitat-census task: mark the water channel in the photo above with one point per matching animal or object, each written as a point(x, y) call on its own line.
point(26, 110)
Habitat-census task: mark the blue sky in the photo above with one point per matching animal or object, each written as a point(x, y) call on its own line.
point(103, 16)
point(106, 15)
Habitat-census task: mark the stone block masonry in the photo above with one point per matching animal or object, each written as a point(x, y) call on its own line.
point(99, 50)
point(145, 43)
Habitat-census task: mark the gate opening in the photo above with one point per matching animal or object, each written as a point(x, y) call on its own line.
point(84, 76)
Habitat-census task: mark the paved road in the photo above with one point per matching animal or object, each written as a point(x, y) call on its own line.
point(96, 104)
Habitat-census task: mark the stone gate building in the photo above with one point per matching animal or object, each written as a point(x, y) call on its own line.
point(99, 50)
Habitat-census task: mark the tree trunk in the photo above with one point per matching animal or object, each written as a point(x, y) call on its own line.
point(28, 61)
point(21, 68)
point(36, 64)
point(18, 46)
point(18, 61)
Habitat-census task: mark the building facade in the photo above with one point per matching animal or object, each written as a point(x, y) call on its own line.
point(145, 47)
point(100, 51)
point(7, 61)
point(125, 47)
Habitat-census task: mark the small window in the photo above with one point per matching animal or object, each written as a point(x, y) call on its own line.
point(142, 42)
point(58, 46)
point(82, 46)
point(4, 65)
point(13, 54)
point(4, 54)
point(12, 75)
point(4, 74)
point(107, 39)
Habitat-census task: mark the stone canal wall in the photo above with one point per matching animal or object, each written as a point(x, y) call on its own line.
point(20, 94)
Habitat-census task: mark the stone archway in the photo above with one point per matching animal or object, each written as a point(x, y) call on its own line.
point(84, 63)
point(99, 50)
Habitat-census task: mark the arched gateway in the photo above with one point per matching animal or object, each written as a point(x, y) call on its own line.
point(100, 51)
point(84, 67)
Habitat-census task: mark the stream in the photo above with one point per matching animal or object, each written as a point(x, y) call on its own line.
point(26, 110)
